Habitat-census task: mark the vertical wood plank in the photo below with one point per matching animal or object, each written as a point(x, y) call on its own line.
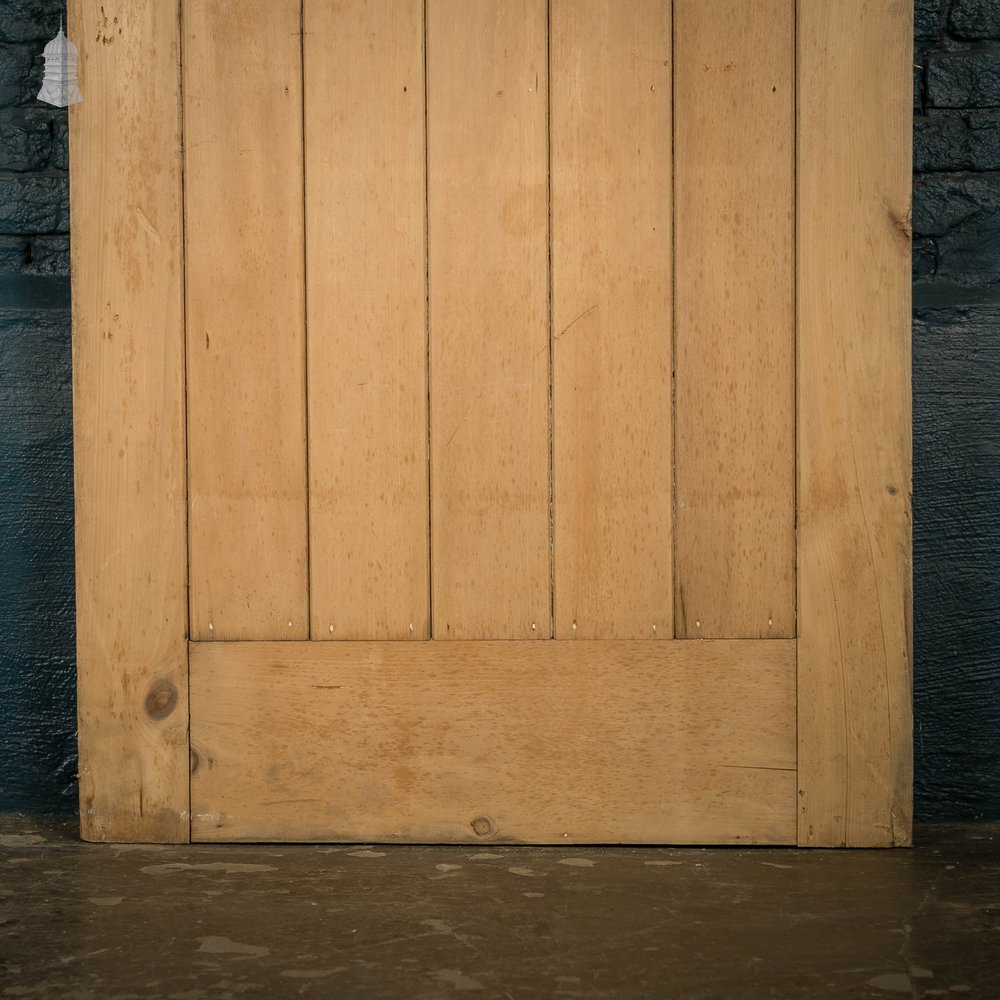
point(855, 641)
point(611, 318)
point(128, 402)
point(489, 339)
point(734, 159)
point(246, 319)
point(367, 375)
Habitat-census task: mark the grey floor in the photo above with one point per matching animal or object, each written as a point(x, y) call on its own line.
point(83, 921)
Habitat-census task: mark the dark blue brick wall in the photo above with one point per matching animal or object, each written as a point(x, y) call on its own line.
point(956, 409)
point(37, 667)
point(956, 388)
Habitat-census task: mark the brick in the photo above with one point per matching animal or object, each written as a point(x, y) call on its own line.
point(974, 19)
point(49, 256)
point(961, 213)
point(15, 253)
point(924, 258)
point(32, 292)
point(31, 204)
point(24, 144)
point(15, 69)
point(927, 20)
point(33, 82)
point(970, 254)
point(40, 256)
point(963, 79)
point(953, 142)
point(30, 20)
point(943, 201)
point(60, 141)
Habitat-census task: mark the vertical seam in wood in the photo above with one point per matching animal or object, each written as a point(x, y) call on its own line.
point(185, 308)
point(551, 353)
point(305, 317)
point(676, 605)
point(427, 340)
point(795, 395)
point(795, 319)
point(185, 477)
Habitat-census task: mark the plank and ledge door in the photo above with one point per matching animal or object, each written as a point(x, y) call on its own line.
point(487, 426)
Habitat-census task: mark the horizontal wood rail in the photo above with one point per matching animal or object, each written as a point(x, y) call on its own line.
point(504, 742)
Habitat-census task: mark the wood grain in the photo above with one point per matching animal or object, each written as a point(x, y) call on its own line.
point(365, 265)
point(854, 556)
point(128, 407)
point(611, 309)
point(246, 319)
point(473, 742)
point(734, 335)
point(489, 339)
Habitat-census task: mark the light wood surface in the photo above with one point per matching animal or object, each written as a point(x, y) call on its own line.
point(758, 739)
point(855, 632)
point(489, 338)
point(128, 408)
point(478, 742)
point(734, 335)
point(246, 321)
point(365, 263)
point(611, 318)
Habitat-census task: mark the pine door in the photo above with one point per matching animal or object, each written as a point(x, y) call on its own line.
point(492, 420)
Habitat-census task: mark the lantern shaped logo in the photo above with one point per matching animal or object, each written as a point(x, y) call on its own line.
point(59, 86)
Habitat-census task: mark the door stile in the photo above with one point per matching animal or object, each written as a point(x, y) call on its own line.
point(129, 414)
point(854, 454)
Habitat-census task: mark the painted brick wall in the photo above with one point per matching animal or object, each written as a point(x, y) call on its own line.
point(37, 706)
point(956, 222)
point(956, 398)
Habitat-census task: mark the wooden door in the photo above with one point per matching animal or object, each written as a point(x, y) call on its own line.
point(492, 420)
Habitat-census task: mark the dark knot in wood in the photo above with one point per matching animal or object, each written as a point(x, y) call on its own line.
point(161, 700)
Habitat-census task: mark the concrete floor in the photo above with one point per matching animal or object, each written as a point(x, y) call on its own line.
point(83, 921)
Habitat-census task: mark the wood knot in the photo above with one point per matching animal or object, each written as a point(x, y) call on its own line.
point(903, 223)
point(481, 826)
point(161, 700)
